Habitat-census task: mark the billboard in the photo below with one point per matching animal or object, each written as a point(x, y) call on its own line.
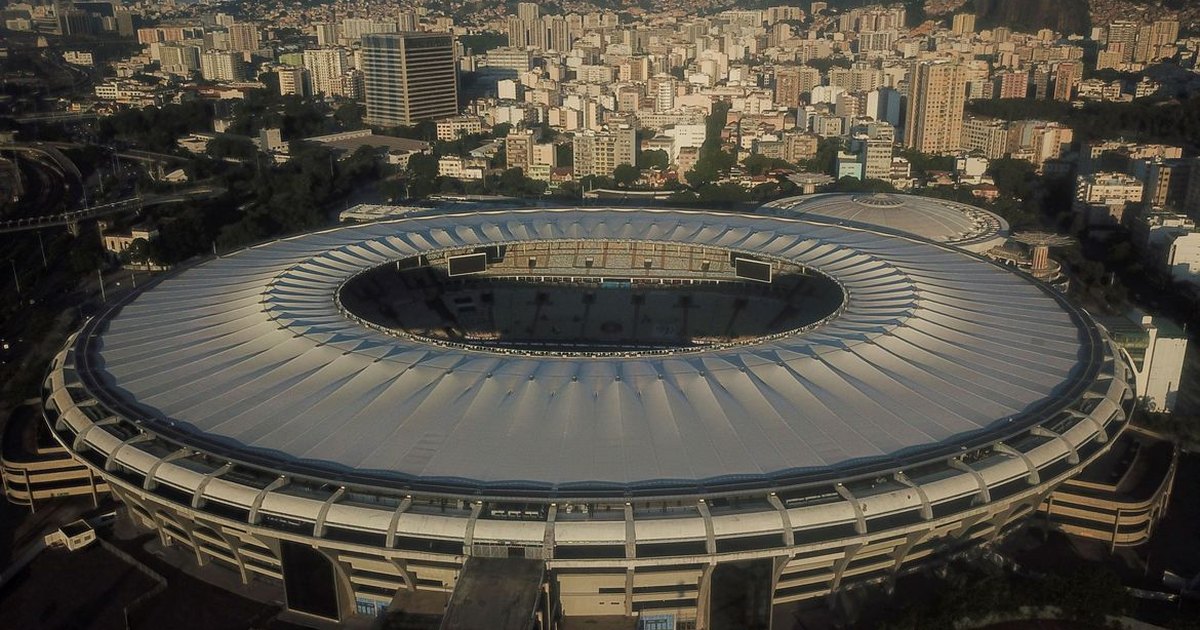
point(752, 269)
point(467, 264)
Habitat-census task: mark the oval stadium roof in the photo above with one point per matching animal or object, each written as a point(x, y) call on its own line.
point(938, 220)
point(252, 353)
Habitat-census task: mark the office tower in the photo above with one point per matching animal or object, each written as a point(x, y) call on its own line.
point(936, 96)
point(325, 68)
point(409, 77)
point(243, 38)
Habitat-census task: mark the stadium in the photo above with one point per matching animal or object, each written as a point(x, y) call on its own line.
point(939, 220)
point(552, 417)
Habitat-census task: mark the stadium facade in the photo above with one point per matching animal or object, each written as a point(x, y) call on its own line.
point(625, 404)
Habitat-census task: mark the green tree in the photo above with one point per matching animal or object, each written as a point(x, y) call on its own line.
point(760, 164)
point(138, 252)
point(349, 116)
point(228, 146)
point(626, 175)
point(653, 158)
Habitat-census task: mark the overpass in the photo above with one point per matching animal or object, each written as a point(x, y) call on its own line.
point(50, 150)
point(117, 207)
point(54, 117)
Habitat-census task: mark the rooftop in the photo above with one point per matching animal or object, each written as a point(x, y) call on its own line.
point(251, 353)
point(934, 219)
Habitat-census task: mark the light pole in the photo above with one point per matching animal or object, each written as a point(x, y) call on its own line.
point(42, 248)
point(16, 278)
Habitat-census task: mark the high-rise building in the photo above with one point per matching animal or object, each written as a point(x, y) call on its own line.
point(325, 69)
point(963, 24)
point(410, 77)
point(664, 93)
point(877, 158)
point(1166, 182)
point(600, 152)
point(243, 38)
point(518, 150)
point(1012, 84)
point(181, 59)
point(884, 105)
point(1122, 38)
point(327, 34)
point(1156, 41)
point(988, 136)
point(222, 66)
point(1191, 199)
point(406, 21)
point(293, 81)
point(1040, 80)
point(1067, 75)
point(354, 29)
point(528, 11)
point(936, 97)
point(793, 81)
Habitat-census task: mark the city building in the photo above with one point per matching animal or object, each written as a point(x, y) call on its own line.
point(222, 66)
point(325, 69)
point(1166, 181)
point(293, 81)
point(1102, 198)
point(244, 38)
point(1183, 258)
point(454, 127)
point(1067, 75)
point(1155, 348)
point(409, 77)
point(987, 136)
point(600, 152)
point(936, 97)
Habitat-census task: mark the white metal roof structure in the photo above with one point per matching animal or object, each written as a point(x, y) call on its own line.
point(251, 355)
point(938, 220)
